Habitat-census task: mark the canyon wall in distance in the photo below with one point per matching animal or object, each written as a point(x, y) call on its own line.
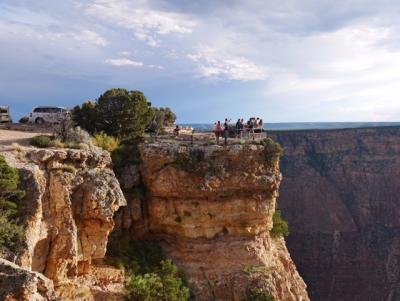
point(340, 193)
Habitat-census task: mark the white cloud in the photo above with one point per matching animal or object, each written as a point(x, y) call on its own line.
point(156, 67)
point(146, 24)
point(90, 37)
point(213, 64)
point(123, 63)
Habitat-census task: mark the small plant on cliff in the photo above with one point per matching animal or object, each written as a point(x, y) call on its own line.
point(75, 138)
point(257, 294)
point(281, 227)
point(164, 284)
point(126, 154)
point(106, 142)
point(42, 141)
point(191, 162)
point(151, 277)
point(11, 233)
point(272, 150)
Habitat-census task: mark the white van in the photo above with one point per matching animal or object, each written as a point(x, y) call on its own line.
point(42, 115)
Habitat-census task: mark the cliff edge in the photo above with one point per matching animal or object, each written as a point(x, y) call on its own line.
point(212, 210)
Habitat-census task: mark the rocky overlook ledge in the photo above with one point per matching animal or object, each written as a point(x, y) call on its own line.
point(212, 208)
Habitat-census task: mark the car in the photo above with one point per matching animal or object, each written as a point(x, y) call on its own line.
point(41, 115)
point(5, 114)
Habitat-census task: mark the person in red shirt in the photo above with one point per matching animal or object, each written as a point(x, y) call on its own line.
point(217, 131)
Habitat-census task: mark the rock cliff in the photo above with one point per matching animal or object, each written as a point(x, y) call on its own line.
point(71, 197)
point(211, 208)
point(20, 284)
point(340, 194)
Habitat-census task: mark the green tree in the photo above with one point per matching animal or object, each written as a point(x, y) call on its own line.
point(11, 233)
point(152, 277)
point(162, 285)
point(147, 287)
point(86, 116)
point(169, 116)
point(281, 227)
point(9, 177)
point(123, 114)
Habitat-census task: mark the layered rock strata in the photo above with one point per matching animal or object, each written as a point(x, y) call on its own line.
point(211, 208)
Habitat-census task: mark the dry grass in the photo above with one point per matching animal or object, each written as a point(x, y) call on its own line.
point(16, 147)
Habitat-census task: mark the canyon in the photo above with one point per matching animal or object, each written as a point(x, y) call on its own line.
point(211, 209)
point(340, 195)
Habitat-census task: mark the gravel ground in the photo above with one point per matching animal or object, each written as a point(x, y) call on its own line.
point(8, 137)
point(13, 143)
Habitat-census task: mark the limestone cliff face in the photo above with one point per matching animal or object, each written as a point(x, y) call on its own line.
point(68, 212)
point(340, 194)
point(211, 208)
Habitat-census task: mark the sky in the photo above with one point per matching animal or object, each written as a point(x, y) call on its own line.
point(282, 60)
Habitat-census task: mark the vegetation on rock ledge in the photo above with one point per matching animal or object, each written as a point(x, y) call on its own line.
point(11, 233)
point(151, 277)
point(272, 150)
point(281, 227)
point(257, 294)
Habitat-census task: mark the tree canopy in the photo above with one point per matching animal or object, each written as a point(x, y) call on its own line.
point(123, 114)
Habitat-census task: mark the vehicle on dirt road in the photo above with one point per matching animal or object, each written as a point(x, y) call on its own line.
point(41, 115)
point(5, 114)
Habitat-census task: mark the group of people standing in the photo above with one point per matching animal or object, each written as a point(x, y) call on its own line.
point(253, 126)
point(220, 130)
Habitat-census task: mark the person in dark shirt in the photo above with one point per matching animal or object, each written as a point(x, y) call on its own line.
point(238, 128)
point(226, 131)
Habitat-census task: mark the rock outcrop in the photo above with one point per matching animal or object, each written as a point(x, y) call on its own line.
point(211, 208)
point(18, 284)
point(71, 197)
point(340, 194)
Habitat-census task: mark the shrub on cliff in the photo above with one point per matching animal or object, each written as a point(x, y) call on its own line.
point(42, 141)
point(126, 153)
point(281, 227)
point(192, 162)
point(11, 233)
point(76, 139)
point(164, 284)
point(106, 142)
point(151, 276)
point(272, 150)
point(257, 294)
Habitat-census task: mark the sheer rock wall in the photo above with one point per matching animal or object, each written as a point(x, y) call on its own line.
point(211, 208)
